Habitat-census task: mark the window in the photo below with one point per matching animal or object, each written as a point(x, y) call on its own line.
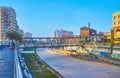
point(118, 16)
point(118, 22)
point(114, 17)
point(114, 23)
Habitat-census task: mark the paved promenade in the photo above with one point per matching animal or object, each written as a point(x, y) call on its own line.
point(6, 63)
point(74, 68)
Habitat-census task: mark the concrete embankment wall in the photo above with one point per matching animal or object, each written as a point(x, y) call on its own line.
point(103, 54)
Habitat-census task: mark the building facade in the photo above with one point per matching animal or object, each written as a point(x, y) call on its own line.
point(61, 33)
point(84, 31)
point(116, 26)
point(107, 35)
point(8, 21)
point(57, 33)
point(21, 32)
point(87, 31)
point(27, 35)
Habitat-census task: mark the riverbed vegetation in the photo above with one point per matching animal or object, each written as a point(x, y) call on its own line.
point(39, 68)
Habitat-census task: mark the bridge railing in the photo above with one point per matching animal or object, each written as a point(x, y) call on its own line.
point(50, 41)
point(20, 68)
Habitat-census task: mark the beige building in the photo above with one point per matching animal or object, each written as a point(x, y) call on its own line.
point(7, 21)
point(107, 35)
point(116, 26)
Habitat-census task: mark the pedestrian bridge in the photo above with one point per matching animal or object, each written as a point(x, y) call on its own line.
point(42, 42)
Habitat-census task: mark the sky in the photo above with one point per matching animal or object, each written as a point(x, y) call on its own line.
point(43, 17)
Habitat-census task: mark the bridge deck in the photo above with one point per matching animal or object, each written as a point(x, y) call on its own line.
point(6, 63)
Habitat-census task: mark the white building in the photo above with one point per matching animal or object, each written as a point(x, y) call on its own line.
point(21, 32)
point(98, 37)
point(27, 35)
point(59, 33)
point(7, 21)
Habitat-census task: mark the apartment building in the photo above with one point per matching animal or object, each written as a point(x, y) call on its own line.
point(116, 26)
point(8, 21)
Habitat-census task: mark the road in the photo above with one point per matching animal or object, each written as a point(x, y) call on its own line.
point(71, 67)
point(6, 62)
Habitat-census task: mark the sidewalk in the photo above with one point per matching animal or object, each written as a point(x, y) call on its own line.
point(6, 63)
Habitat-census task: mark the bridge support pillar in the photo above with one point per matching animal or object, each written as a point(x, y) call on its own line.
point(35, 49)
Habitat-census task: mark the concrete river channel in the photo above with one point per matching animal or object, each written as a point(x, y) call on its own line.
point(70, 67)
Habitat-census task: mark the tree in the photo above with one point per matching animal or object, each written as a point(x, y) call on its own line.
point(13, 35)
point(87, 40)
point(104, 40)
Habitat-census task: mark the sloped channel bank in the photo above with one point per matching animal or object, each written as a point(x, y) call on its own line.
point(39, 68)
point(88, 57)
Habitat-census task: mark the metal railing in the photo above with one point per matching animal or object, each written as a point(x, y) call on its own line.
point(20, 68)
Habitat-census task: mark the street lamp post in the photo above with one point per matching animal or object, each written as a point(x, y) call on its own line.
point(112, 42)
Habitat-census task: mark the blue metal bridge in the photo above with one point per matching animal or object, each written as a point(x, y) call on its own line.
point(41, 42)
